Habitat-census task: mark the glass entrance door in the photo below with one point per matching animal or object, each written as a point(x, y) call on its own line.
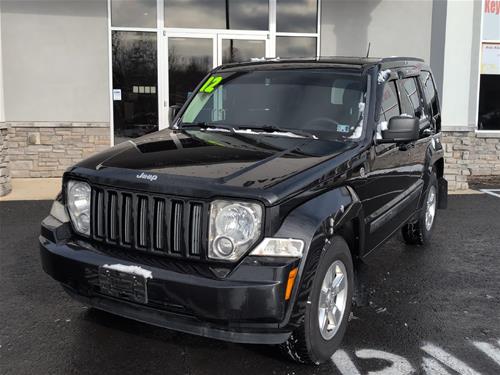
point(192, 55)
point(189, 60)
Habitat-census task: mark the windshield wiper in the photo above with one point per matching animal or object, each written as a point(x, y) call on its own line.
point(277, 129)
point(206, 125)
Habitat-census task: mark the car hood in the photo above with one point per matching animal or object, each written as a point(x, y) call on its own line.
point(257, 160)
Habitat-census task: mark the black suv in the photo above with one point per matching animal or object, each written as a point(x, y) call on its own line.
point(246, 219)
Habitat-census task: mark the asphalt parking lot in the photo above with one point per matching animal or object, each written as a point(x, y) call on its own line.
point(432, 310)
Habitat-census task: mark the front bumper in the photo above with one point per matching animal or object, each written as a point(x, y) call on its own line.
point(246, 306)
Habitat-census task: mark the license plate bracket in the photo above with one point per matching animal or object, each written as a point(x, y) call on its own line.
point(123, 285)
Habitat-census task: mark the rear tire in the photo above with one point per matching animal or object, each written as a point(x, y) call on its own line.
point(420, 232)
point(327, 310)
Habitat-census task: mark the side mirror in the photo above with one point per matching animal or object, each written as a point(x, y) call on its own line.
point(401, 129)
point(172, 112)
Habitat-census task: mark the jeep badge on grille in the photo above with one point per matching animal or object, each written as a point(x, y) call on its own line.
point(145, 176)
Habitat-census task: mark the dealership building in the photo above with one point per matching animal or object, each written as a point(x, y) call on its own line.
point(77, 76)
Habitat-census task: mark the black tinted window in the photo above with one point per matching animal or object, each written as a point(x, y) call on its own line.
point(390, 105)
point(410, 99)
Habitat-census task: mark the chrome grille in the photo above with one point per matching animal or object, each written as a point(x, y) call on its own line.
point(159, 224)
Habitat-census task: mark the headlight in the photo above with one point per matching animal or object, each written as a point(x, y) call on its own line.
point(234, 228)
point(78, 201)
point(279, 247)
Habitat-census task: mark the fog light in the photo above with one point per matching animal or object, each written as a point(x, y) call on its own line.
point(224, 246)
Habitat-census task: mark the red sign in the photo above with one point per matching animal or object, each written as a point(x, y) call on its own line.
point(492, 6)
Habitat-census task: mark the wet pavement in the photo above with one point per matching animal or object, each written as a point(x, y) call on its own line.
point(429, 310)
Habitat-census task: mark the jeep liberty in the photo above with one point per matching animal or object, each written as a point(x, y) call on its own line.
point(246, 219)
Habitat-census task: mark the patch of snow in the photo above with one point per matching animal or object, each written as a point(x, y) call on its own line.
point(357, 132)
point(380, 128)
point(134, 270)
point(217, 130)
point(383, 75)
point(361, 107)
point(283, 134)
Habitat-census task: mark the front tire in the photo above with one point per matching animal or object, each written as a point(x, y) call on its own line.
point(328, 308)
point(420, 232)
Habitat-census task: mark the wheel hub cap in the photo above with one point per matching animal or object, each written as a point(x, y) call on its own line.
point(430, 211)
point(332, 300)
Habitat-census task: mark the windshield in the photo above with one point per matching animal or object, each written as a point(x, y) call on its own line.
point(322, 103)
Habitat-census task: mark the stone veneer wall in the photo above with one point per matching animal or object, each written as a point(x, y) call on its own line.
point(48, 149)
point(469, 155)
point(5, 186)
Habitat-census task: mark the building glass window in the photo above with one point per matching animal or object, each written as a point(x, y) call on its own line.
point(390, 105)
point(217, 14)
point(489, 102)
point(238, 50)
point(295, 46)
point(297, 16)
point(126, 13)
point(489, 81)
point(135, 87)
point(189, 60)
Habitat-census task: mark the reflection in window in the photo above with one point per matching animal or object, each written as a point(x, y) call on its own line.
point(218, 14)
point(293, 46)
point(410, 99)
point(135, 79)
point(138, 13)
point(430, 94)
point(389, 106)
point(189, 60)
point(237, 50)
point(297, 16)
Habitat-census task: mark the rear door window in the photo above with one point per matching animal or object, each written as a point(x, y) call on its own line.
point(410, 97)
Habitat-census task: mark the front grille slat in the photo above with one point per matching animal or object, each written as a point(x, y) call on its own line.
point(177, 227)
point(159, 222)
point(112, 215)
point(195, 225)
point(100, 214)
point(138, 221)
point(127, 219)
point(142, 229)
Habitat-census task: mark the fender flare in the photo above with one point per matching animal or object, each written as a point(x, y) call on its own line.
point(434, 154)
point(316, 222)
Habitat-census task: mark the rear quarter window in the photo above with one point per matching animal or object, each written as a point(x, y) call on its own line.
point(430, 95)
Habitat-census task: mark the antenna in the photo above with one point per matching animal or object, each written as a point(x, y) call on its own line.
point(368, 51)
